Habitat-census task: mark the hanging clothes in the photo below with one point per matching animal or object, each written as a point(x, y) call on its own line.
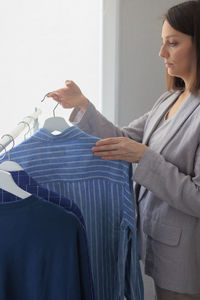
point(102, 190)
point(27, 183)
point(43, 254)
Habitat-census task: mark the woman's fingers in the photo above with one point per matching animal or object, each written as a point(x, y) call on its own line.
point(69, 82)
point(108, 148)
point(55, 95)
point(107, 153)
point(108, 144)
point(104, 148)
point(108, 141)
point(69, 96)
point(120, 148)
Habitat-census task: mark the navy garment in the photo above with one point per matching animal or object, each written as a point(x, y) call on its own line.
point(27, 183)
point(43, 255)
point(102, 190)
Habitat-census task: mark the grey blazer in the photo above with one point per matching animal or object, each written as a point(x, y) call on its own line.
point(169, 201)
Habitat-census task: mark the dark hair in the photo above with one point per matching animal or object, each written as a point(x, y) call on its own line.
point(185, 17)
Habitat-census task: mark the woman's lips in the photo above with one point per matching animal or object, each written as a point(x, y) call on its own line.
point(168, 65)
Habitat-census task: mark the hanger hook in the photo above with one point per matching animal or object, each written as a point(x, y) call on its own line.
point(29, 128)
point(34, 120)
point(3, 148)
point(58, 99)
point(55, 109)
point(45, 97)
point(10, 136)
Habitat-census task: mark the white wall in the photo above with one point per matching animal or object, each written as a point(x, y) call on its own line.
point(133, 74)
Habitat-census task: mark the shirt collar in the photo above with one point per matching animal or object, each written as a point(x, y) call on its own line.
point(68, 133)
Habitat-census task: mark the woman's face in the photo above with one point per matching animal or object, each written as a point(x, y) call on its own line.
point(178, 53)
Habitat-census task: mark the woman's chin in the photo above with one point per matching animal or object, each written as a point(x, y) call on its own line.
point(171, 73)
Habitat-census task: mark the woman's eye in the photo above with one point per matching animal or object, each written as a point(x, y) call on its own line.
point(172, 44)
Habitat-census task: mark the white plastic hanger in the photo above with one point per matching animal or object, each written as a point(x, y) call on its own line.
point(9, 165)
point(7, 184)
point(55, 123)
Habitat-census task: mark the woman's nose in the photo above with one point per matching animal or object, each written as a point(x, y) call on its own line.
point(163, 52)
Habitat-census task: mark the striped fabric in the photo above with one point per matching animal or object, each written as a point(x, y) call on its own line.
point(102, 190)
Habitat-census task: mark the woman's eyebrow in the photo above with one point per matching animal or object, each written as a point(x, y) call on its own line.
point(169, 36)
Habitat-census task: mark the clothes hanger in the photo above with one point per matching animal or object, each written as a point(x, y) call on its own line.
point(55, 123)
point(7, 184)
point(6, 181)
point(9, 165)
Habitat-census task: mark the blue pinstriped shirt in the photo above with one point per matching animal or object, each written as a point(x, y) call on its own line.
point(102, 190)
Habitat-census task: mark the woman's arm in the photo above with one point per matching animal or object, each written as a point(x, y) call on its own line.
point(87, 118)
point(70, 96)
point(167, 183)
point(94, 123)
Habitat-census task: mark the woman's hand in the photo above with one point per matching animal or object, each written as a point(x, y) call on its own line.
point(70, 97)
point(121, 148)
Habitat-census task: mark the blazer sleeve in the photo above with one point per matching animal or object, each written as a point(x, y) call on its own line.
point(94, 123)
point(164, 179)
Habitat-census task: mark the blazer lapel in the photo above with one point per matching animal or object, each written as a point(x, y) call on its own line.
point(182, 115)
point(158, 115)
point(185, 111)
point(150, 127)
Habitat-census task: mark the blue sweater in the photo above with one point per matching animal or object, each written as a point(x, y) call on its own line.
point(43, 254)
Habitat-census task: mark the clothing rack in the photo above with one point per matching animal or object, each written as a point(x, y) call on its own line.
point(30, 121)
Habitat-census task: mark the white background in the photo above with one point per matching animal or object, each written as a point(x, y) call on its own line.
point(43, 43)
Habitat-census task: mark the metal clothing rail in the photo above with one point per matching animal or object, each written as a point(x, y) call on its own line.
point(28, 121)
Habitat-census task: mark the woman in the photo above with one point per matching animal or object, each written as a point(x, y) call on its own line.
point(164, 145)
